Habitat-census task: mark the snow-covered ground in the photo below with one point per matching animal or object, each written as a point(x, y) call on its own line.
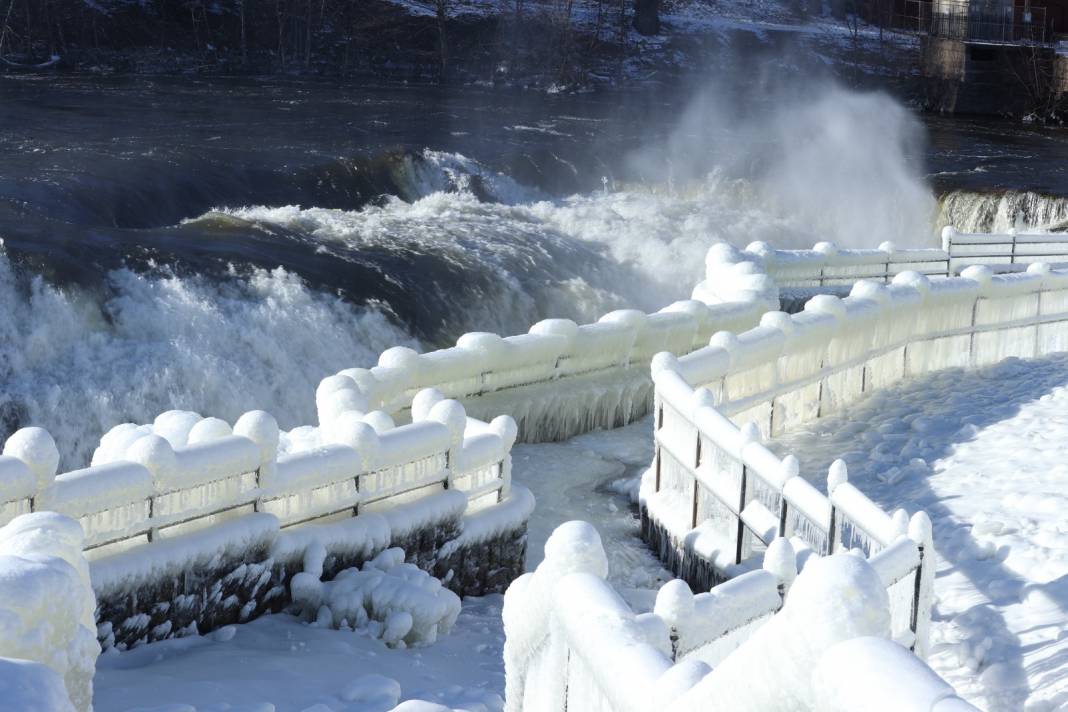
point(981, 451)
point(279, 664)
point(984, 453)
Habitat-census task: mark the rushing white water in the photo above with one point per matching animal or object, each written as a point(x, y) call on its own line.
point(997, 212)
point(78, 364)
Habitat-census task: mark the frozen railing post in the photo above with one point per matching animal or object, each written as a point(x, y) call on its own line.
point(921, 532)
point(780, 560)
point(837, 475)
point(453, 416)
point(675, 606)
point(750, 434)
point(261, 428)
point(37, 450)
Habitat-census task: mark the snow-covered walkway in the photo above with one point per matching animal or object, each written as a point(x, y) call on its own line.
point(278, 664)
point(985, 453)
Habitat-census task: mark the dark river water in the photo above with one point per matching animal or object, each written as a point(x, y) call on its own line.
point(222, 245)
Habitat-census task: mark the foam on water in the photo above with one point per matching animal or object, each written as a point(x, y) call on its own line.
point(78, 363)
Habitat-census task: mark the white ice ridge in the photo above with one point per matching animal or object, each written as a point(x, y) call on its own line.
point(48, 647)
point(560, 378)
point(184, 472)
point(572, 642)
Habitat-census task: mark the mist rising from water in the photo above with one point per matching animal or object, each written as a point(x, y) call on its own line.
point(833, 164)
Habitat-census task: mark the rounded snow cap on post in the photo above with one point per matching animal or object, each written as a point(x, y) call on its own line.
point(948, 233)
point(423, 401)
point(920, 529)
point(556, 327)
point(826, 248)
point(759, 248)
point(452, 415)
point(911, 278)
point(504, 427)
point(260, 427)
point(674, 602)
point(726, 340)
point(721, 254)
point(872, 290)
point(781, 321)
point(887, 247)
point(174, 425)
point(838, 474)
point(1039, 268)
point(576, 546)
point(35, 447)
point(361, 437)
point(399, 357)
point(209, 429)
point(979, 273)
point(630, 318)
point(826, 304)
point(490, 347)
point(780, 559)
point(155, 454)
point(379, 420)
point(701, 398)
point(365, 380)
point(340, 402)
point(331, 385)
point(750, 433)
point(664, 361)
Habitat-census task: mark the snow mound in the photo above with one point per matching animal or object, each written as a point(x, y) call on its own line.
point(47, 613)
point(387, 598)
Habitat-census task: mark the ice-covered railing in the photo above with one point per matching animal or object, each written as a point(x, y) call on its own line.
point(827, 265)
point(760, 641)
point(715, 494)
point(824, 265)
point(560, 378)
point(1003, 251)
point(184, 473)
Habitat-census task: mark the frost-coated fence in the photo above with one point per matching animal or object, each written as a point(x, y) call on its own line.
point(558, 380)
point(760, 641)
point(827, 265)
point(715, 495)
point(142, 488)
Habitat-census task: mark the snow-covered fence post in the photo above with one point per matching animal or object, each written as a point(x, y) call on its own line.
point(37, 450)
point(837, 475)
point(920, 531)
point(781, 561)
point(157, 456)
point(453, 416)
point(675, 606)
point(790, 469)
point(506, 429)
point(888, 248)
point(261, 428)
point(983, 275)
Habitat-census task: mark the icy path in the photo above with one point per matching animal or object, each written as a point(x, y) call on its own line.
point(985, 453)
point(277, 664)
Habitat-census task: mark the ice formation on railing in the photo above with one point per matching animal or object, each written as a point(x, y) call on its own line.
point(184, 472)
point(715, 494)
point(46, 614)
point(749, 644)
point(557, 380)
